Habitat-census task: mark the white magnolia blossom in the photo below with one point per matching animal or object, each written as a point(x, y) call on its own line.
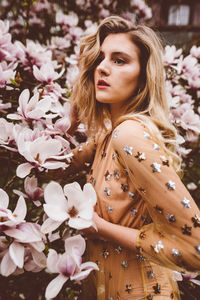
point(72, 204)
point(7, 217)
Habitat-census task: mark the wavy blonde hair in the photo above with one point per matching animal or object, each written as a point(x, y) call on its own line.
point(149, 105)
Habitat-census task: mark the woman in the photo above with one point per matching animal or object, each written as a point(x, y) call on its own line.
point(148, 224)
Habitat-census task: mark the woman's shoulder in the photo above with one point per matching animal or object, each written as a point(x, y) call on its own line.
point(130, 127)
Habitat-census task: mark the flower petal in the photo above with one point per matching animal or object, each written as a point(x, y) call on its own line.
point(7, 265)
point(52, 261)
point(53, 194)
point(79, 223)
point(90, 193)
point(20, 209)
point(89, 266)
point(75, 244)
point(49, 225)
point(55, 286)
point(23, 170)
point(4, 199)
point(16, 252)
point(55, 212)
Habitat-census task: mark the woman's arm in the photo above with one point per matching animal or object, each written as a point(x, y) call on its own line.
point(173, 238)
point(121, 235)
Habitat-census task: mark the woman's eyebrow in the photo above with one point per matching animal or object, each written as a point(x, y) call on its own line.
point(116, 53)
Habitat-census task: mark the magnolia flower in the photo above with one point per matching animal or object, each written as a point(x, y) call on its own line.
point(42, 152)
point(191, 186)
point(4, 106)
point(171, 55)
point(71, 20)
point(195, 51)
point(35, 54)
point(6, 74)
point(7, 217)
point(67, 265)
point(31, 109)
point(177, 276)
point(7, 50)
point(32, 190)
point(73, 205)
point(24, 235)
point(6, 132)
point(46, 73)
point(60, 42)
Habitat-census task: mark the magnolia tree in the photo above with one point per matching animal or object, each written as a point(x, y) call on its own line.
point(40, 221)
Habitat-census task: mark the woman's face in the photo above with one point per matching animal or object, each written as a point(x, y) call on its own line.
point(117, 73)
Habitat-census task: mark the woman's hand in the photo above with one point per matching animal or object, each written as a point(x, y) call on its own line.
point(91, 232)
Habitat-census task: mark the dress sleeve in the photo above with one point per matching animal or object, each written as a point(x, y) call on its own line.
point(173, 237)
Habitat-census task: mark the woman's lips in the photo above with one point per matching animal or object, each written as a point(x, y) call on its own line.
point(102, 84)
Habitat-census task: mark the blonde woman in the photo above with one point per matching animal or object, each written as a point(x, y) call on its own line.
point(148, 224)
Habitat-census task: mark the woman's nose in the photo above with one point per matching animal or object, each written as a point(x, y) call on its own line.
point(103, 67)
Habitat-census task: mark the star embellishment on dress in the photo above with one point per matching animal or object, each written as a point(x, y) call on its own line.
point(165, 161)
point(198, 249)
point(156, 167)
point(171, 185)
point(140, 156)
point(186, 203)
point(186, 229)
point(159, 246)
point(115, 133)
point(107, 191)
point(128, 150)
point(156, 147)
point(176, 252)
point(146, 135)
point(171, 218)
point(196, 221)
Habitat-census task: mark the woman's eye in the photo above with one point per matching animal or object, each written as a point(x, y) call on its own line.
point(119, 61)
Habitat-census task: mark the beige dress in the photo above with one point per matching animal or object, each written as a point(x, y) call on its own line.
point(136, 187)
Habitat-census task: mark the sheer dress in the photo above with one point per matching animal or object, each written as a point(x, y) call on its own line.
point(136, 187)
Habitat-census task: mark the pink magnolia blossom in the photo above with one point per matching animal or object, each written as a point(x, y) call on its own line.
point(7, 50)
point(195, 51)
point(6, 73)
point(7, 217)
point(31, 109)
point(6, 132)
point(142, 9)
point(188, 64)
point(177, 276)
point(191, 186)
point(32, 191)
point(41, 5)
point(62, 124)
point(24, 235)
point(68, 265)
point(34, 54)
point(46, 73)
point(90, 27)
point(42, 152)
point(60, 42)
point(73, 205)
point(4, 106)
point(185, 117)
point(72, 73)
point(171, 55)
point(71, 20)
